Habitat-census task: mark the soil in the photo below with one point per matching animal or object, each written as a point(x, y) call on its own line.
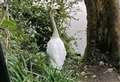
point(99, 74)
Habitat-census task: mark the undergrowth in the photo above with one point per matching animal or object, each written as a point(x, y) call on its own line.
point(26, 66)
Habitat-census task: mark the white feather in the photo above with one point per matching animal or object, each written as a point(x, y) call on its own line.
point(1, 1)
point(56, 52)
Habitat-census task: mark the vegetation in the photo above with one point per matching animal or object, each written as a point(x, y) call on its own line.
point(26, 29)
point(24, 35)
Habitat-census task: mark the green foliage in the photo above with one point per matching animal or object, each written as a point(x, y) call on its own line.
point(35, 19)
point(9, 24)
point(29, 30)
point(25, 66)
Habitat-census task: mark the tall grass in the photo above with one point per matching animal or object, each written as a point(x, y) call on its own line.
point(32, 67)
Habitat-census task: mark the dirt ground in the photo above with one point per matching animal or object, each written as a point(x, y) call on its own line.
point(99, 74)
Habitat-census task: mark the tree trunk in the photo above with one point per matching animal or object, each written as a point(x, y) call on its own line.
point(4, 77)
point(103, 32)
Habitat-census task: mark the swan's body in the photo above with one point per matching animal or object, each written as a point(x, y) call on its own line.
point(1, 1)
point(57, 52)
point(55, 48)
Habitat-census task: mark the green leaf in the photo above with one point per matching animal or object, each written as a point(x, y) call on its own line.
point(9, 24)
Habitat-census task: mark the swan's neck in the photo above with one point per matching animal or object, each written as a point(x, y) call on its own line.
point(55, 30)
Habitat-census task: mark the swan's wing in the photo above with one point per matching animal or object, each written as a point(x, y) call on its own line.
point(52, 50)
point(62, 50)
point(56, 51)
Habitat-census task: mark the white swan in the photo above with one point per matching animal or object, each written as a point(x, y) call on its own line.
point(55, 47)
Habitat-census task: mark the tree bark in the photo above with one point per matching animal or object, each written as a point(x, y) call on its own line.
point(4, 77)
point(103, 31)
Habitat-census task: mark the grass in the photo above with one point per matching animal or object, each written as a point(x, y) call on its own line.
point(27, 64)
point(32, 67)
